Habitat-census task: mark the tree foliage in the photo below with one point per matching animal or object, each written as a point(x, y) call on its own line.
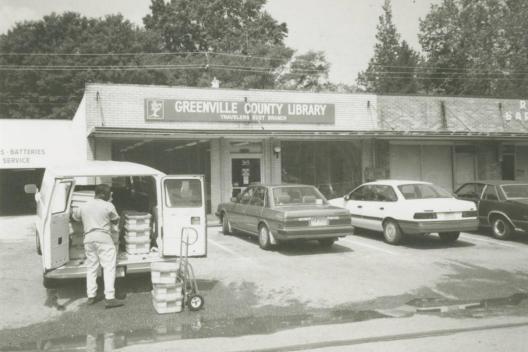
point(183, 42)
point(59, 41)
point(476, 47)
point(307, 72)
point(391, 69)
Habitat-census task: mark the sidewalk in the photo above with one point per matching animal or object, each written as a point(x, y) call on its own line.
point(371, 335)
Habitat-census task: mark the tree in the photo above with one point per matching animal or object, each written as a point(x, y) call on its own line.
point(245, 45)
point(476, 47)
point(45, 59)
point(391, 69)
point(306, 72)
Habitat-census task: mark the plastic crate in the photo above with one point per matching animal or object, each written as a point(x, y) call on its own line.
point(134, 218)
point(145, 239)
point(164, 307)
point(164, 292)
point(137, 248)
point(137, 227)
point(163, 272)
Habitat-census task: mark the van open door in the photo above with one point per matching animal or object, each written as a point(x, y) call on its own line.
point(55, 246)
point(183, 206)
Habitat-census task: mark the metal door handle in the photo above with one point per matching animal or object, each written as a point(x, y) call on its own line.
point(382, 208)
point(360, 206)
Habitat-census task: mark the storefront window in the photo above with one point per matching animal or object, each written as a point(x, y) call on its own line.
point(333, 167)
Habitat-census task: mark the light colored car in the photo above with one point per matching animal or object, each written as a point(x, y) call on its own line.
point(408, 207)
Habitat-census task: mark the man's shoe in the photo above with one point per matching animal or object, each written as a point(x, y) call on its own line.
point(90, 301)
point(113, 303)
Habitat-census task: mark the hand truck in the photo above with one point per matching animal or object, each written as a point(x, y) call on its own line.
point(185, 273)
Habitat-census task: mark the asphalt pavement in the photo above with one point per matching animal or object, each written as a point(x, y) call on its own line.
point(250, 292)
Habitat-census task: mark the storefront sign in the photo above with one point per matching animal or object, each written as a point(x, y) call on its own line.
point(231, 111)
point(20, 157)
point(519, 114)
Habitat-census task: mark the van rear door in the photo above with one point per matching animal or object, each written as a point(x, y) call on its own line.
point(55, 246)
point(183, 206)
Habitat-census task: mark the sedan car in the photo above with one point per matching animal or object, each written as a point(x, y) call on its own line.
point(283, 213)
point(408, 207)
point(503, 205)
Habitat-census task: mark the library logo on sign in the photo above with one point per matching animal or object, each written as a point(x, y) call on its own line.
point(155, 109)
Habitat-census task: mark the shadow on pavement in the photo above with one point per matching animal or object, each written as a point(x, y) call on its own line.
point(430, 241)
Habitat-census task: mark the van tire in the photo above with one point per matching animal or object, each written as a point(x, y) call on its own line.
point(50, 283)
point(37, 244)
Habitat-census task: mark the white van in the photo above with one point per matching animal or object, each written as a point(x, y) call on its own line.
point(170, 203)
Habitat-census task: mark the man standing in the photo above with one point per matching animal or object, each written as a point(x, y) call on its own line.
point(97, 216)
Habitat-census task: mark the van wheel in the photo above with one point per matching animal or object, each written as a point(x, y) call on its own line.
point(449, 237)
point(37, 244)
point(264, 237)
point(50, 283)
point(392, 232)
point(226, 225)
point(501, 228)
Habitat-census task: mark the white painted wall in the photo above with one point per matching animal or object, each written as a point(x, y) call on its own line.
point(31, 143)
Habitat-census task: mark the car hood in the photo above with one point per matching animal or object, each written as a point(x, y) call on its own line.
point(302, 210)
point(439, 205)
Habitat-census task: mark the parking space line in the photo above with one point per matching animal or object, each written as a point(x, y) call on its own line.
point(228, 250)
point(470, 237)
point(368, 246)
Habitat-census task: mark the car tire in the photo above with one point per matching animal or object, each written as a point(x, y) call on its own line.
point(501, 228)
point(327, 242)
point(264, 237)
point(226, 225)
point(37, 244)
point(449, 237)
point(392, 232)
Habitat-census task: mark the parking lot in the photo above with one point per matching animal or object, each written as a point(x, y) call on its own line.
point(248, 290)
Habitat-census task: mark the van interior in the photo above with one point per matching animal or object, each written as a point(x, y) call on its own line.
point(132, 195)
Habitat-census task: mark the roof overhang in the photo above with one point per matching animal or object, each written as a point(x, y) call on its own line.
point(142, 133)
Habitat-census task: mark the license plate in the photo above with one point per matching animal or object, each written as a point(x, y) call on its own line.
point(318, 221)
point(451, 216)
point(121, 271)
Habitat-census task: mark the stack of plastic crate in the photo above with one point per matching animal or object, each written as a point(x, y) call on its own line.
point(137, 232)
point(167, 294)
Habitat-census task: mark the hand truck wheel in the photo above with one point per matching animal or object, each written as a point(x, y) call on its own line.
point(196, 302)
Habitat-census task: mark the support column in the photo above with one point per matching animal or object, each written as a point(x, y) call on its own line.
point(216, 173)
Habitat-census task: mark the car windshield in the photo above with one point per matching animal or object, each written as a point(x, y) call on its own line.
point(423, 191)
point(515, 191)
point(297, 195)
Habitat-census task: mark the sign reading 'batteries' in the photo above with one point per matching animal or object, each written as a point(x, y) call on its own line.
point(230, 111)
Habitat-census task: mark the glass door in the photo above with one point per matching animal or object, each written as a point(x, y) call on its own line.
point(244, 171)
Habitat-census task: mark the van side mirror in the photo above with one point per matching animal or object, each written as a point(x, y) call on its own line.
point(30, 189)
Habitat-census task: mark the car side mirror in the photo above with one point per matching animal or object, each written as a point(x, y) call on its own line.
point(30, 189)
point(346, 197)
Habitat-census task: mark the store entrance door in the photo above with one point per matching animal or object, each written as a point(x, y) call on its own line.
point(244, 171)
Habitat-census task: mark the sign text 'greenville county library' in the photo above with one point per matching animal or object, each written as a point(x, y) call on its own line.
point(233, 111)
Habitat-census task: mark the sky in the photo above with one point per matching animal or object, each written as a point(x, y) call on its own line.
point(344, 29)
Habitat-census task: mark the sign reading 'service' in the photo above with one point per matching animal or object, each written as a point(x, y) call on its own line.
point(232, 111)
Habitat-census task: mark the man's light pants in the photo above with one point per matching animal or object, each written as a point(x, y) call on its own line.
point(103, 254)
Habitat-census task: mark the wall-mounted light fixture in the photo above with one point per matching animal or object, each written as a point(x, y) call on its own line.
point(276, 151)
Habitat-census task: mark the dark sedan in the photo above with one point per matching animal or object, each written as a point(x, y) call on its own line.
point(503, 205)
point(284, 213)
